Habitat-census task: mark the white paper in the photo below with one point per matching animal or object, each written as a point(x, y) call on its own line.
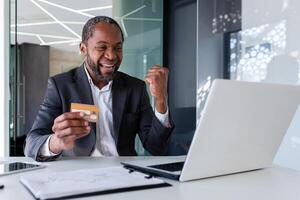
point(60, 184)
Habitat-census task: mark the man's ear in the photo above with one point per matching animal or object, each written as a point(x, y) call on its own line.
point(83, 48)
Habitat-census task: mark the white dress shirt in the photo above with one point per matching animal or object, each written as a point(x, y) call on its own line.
point(105, 143)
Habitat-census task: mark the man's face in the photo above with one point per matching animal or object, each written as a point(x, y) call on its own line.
point(103, 52)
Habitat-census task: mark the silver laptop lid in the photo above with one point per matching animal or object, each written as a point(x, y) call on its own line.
point(241, 128)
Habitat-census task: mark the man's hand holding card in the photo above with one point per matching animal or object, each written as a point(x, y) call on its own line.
point(70, 126)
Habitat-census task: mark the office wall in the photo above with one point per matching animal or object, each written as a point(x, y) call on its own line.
point(182, 52)
point(276, 23)
point(180, 35)
point(4, 61)
point(63, 61)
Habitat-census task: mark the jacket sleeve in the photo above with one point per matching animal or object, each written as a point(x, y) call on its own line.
point(42, 126)
point(153, 134)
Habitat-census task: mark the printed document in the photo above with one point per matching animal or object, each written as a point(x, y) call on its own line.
point(87, 181)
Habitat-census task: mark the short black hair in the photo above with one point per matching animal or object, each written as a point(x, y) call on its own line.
point(89, 27)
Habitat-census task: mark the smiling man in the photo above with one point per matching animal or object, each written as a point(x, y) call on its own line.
point(123, 102)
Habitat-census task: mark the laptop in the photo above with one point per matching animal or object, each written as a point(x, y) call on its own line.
point(240, 129)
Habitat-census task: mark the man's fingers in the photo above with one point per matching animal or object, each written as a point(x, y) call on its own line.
point(73, 131)
point(154, 73)
point(158, 69)
point(68, 120)
point(149, 79)
point(154, 76)
point(69, 115)
point(69, 123)
point(67, 142)
point(155, 67)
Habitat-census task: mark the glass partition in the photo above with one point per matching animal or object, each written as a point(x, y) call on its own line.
point(4, 77)
point(267, 49)
point(142, 24)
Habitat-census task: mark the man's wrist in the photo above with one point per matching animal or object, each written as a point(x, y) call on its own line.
point(53, 145)
point(161, 104)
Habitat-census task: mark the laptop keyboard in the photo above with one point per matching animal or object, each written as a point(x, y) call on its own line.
point(172, 167)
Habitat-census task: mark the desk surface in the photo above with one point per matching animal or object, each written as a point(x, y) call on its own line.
point(272, 183)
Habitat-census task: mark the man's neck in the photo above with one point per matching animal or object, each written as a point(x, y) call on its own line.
point(100, 84)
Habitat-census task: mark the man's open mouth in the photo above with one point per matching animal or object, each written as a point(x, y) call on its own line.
point(108, 66)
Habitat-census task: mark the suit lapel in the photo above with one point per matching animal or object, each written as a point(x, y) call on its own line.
point(83, 86)
point(119, 95)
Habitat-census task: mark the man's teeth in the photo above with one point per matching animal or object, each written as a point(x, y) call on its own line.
point(108, 66)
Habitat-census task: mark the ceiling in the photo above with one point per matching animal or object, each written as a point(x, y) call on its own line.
point(57, 23)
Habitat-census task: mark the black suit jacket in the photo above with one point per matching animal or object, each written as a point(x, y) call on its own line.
point(132, 114)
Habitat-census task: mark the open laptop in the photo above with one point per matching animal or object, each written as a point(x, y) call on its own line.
point(241, 128)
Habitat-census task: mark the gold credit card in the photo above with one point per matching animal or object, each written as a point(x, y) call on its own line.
point(91, 112)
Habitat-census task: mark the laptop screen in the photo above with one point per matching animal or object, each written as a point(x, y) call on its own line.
point(172, 167)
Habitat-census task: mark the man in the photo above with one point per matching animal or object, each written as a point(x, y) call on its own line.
point(123, 102)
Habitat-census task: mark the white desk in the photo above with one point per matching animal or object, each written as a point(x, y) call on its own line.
point(275, 183)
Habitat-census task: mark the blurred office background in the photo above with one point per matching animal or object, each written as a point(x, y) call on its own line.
point(199, 40)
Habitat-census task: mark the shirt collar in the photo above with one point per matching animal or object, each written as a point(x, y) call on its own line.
point(105, 88)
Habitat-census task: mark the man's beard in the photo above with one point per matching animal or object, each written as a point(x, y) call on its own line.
point(95, 67)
